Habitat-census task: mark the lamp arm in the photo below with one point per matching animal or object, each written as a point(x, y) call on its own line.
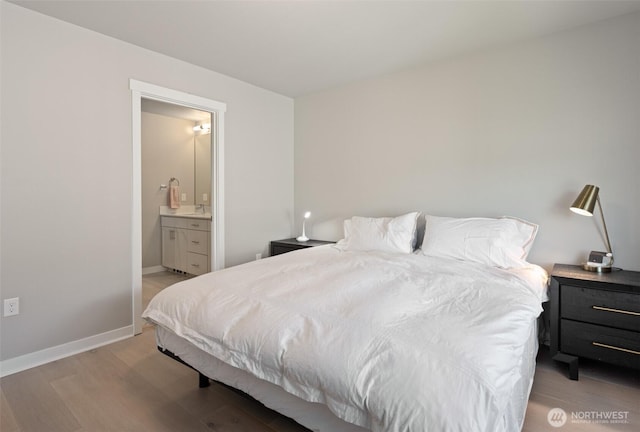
point(606, 233)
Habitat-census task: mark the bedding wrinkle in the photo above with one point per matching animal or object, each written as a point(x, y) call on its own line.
point(387, 341)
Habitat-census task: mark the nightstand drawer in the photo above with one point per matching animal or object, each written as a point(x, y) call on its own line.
point(277, 249)
point(612, 345)
point(612, 308)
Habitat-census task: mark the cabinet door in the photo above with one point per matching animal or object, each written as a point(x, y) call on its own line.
point(174, 248)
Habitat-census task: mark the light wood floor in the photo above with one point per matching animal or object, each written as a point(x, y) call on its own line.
point(130, 386)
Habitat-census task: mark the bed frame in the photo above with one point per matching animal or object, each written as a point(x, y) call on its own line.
point(306, 414)
point(203, 380)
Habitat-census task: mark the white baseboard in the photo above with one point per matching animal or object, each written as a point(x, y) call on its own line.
point(28, 361)
point(154, 269)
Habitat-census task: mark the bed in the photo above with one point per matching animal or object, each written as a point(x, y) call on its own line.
point(370, 333)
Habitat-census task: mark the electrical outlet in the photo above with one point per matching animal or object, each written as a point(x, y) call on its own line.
point(258, 256)
point(205, 197)
point(183, 197)
point(11, 306)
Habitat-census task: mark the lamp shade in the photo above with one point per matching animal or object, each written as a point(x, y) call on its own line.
point(586, 201)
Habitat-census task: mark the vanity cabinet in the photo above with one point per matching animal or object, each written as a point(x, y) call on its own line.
point(186, 244)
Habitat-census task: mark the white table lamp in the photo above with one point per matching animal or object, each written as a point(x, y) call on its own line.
point(303, 237)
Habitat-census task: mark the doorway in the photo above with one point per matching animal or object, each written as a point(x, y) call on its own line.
point(140, 90)
point(176, 149)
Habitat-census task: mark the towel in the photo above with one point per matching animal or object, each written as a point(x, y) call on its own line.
point(174, 197)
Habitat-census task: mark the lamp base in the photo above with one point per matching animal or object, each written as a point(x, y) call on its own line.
point(302, 238)
point(596, 269)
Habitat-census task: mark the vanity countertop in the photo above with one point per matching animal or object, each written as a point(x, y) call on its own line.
point(188, 212)
point(205, 216)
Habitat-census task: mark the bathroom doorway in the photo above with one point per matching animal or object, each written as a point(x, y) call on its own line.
point(176, 150)
point(146, 91)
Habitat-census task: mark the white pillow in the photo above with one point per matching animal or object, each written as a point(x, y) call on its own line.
point(381, 234)
point(503, 242)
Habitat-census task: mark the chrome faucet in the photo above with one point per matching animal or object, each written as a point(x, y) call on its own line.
point(201, 207)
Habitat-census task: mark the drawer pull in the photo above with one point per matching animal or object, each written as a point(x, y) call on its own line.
point(195, 265)
point(195, 225)
point(196, 242)
point(602, 308)
point(615, 348)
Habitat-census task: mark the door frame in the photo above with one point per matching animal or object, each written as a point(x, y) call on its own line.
point(140, 90)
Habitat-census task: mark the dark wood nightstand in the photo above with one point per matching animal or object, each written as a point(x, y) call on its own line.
point(596, 316)
point(277, 247)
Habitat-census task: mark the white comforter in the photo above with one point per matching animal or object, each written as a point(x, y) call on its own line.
point(390, 342)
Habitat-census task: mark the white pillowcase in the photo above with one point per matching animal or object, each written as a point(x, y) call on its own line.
point(503, 242)
point(381, 234)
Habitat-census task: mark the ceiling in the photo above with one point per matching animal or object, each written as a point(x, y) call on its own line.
point(299, 47)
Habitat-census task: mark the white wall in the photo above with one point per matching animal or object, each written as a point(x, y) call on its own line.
point(66, 174)
point(515, 131)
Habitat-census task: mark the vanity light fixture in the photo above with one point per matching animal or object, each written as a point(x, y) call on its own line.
point(303, 237)
point(204, 128)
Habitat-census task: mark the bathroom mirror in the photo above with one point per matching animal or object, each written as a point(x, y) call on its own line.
point(198, 189)
point(202, 167)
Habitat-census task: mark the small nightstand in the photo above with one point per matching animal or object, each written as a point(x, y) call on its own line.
point(596, 316)
point(278, 247)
